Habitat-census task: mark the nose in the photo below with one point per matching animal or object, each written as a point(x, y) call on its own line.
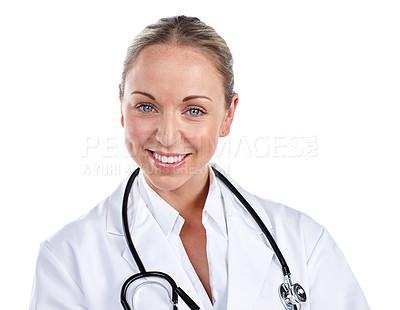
point(168, 130)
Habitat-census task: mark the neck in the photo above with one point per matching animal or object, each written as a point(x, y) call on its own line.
point(190, 197)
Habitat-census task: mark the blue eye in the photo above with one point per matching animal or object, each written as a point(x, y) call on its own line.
point(145, 108)
point(195, 112)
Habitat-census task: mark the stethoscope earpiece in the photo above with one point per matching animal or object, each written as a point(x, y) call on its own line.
point(292, 295)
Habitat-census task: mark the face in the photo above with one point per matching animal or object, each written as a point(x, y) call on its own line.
point(173, 111)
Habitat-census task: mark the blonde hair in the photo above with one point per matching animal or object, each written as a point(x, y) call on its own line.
point(184, 31)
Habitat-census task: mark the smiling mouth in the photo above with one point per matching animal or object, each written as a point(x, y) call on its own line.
point(171, 159)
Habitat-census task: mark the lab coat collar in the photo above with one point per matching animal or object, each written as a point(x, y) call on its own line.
point(114, 220)
point(165, 215)
point(214, 206)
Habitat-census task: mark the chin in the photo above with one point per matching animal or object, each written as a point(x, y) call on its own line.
point(165, 182)
point(178, 179)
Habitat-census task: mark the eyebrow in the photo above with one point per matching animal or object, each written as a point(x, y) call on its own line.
point(144, 94)
point(195, 97)
point(184, 99)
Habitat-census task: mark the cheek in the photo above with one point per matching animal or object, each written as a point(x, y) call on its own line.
point(136, 134)
point(205, 139)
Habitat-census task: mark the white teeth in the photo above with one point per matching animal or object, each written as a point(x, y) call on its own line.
point(168, 159)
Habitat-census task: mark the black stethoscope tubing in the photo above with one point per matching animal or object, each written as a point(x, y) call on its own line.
point(260, 223)
point(125, 221)
point(175, 289)
point(143, 273)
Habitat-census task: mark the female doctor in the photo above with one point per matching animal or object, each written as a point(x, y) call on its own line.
point(183, 224)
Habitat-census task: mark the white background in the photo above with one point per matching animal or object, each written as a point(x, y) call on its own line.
point(325, 72)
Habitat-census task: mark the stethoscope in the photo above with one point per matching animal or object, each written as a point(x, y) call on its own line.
point(291, 295)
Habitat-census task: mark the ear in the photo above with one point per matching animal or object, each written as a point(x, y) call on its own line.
point(226, 125)
point(122, 117)
point(120, 99)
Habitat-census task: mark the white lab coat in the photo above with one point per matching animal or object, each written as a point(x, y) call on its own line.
point(85, 264)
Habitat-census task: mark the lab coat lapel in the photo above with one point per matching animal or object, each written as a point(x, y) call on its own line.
point(249, 256)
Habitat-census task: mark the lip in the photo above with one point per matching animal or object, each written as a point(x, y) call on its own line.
point(167, 167)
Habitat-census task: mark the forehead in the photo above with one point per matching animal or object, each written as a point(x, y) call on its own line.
point(158, 53)
point(165, 65)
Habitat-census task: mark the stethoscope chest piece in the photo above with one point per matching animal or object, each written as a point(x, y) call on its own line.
point(292, 295)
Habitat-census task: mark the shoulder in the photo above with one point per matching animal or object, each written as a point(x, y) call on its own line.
point(290, 226)
point(65, 247)
point(285, 223)
point(79, 228)
point(281, 215)
point(90, 228)
point(277, 213)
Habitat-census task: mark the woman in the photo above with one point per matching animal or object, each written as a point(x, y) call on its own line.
point(177, 99)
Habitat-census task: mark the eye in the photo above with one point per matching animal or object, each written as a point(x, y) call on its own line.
point(195, 112)
point(146, 108)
